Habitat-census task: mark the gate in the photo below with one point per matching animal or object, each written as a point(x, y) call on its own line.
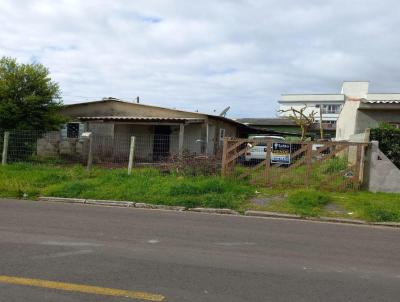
point(326, 164)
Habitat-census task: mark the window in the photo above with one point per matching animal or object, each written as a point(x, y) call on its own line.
point(221, 134)
point(73, 130)
point(330, 109)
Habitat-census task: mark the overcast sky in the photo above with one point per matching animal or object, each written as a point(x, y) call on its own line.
point(206, 55)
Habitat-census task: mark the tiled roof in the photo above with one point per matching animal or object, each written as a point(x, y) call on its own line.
point(381, 101)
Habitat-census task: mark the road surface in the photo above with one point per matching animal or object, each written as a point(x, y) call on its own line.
point(70, 252)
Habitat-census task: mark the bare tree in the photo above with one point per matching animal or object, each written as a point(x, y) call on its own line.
point(304, 120)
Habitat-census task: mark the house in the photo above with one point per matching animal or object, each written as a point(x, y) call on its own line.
point(159, 131)
point(363, 110)
point(326, 106)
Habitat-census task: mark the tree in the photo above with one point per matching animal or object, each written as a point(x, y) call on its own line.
point(301, 119)
point(29, 99)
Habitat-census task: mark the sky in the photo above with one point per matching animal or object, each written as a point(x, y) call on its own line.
point(205, 55)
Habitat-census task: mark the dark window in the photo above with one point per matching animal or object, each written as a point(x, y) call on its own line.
point(73, 130)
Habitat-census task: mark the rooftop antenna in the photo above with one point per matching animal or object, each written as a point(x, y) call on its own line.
point(224, 112)
point(137, 100)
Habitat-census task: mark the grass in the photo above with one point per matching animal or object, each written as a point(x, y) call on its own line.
point(144, 185)
point(150, 186)
point(363, 205)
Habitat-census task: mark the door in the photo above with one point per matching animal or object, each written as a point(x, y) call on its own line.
point(161, 142)
point(211, 140)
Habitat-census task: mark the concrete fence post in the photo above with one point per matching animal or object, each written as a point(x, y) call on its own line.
point(131, 155)
point(90, 153)
point(5, 148)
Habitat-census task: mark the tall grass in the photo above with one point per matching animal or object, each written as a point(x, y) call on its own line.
point(144, 185)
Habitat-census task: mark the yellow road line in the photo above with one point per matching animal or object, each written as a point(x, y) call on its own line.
point(87, 289)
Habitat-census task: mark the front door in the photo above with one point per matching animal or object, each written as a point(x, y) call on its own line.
point(161, 142)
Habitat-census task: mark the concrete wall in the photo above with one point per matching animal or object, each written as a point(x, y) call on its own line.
point(355, 89)
point(380, 174)
point(346, 123)
point(216, 125)
point(372, 118)
point(144, 141)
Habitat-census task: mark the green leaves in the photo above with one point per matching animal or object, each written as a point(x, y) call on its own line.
point(389, 141)
point(29, 99)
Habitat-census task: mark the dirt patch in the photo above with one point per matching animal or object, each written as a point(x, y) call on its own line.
point(263, 201)
point(334, 208)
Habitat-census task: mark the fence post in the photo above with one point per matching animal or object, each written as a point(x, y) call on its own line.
point(131, 155)
point(90, 153)
point(268, 162)
point(5, 147)
point(308, 162)
point(356, 177)
point(181, 137)
point(224, 156)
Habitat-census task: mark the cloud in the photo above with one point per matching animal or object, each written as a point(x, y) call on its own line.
point(205, 55)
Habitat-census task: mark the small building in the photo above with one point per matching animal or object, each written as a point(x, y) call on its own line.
point(363, 110)
point(159, 131)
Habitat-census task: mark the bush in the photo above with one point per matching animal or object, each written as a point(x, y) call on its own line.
point(389, 141)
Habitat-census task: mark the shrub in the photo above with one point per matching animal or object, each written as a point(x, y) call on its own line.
point(389, 141)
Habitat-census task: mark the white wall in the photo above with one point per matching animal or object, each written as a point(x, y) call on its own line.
point(347, 121)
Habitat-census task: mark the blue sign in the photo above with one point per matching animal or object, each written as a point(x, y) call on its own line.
point(281, 153)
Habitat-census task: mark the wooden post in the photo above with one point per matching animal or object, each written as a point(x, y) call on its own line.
point(5, 148)
point(90, 153)
point(321, 129)
point(308, 163)
point(131, 155)
point(268, 162)
point(356, 176)
point(224, 157)
point(207, 138)
point(181, 137)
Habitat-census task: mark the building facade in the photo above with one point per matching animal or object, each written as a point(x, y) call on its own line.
point(326, 105)
point(363, 110)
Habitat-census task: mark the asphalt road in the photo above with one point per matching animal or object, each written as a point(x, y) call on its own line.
point(192, 257)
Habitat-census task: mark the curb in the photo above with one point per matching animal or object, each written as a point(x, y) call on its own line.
point(61, 199)
point(112, 203)
point(214, 211)
point(271, 214)
point(265, 214)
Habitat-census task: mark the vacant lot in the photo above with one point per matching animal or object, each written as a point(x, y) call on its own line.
point(144, 185)
point(152, 186)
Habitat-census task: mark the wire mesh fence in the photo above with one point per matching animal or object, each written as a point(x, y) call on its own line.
point(169, 152)
point(327, 164)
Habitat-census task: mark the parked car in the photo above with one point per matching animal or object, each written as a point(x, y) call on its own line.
point(258, 152)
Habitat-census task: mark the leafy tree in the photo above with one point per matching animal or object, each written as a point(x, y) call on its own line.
point(29, 99)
